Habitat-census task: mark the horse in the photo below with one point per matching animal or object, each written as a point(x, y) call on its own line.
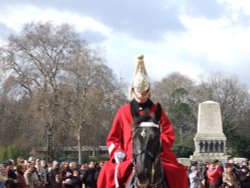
point(147, 170)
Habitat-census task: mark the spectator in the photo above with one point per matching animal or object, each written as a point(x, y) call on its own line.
point(20, 169)
point(244, 163)
point(20, 160)
point(90, 176)
point(76, 180)
point(41, 172)
point(12, 177)
point(68, 177)
point(244, 177)
point(73, 166)
point(55, 179)
point(49, 166)
point(65, 170)
point(214, 174)
point(229, 179)
point(82, 169)
point(236, 167)
point(97, 168)
point(28, 175)
point(3, 175)
point(195, 178)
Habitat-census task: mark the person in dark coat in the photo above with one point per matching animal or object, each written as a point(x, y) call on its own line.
point(76, 180)
point(55, 176)
point(244, 176)
point(12, 177)
point(90, 176)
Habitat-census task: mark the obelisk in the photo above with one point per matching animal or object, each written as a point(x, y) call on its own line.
point(210, 141)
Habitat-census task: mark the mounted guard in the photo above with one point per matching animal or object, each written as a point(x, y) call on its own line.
point(116, 172)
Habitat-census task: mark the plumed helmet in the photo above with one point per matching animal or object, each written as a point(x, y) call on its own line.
point(140, 81)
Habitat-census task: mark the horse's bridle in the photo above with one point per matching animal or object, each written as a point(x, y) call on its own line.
point(153, 158)
point(148, 153)
point(144, 151)
point(140, 152)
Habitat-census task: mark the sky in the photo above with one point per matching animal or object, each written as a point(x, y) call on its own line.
point(192, 37)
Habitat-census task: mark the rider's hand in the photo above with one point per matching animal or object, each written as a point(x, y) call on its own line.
point(119, 156)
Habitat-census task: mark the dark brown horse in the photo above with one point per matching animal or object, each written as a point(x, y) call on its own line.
point(148, 171)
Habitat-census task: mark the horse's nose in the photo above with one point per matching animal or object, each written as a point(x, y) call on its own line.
point(143, 174)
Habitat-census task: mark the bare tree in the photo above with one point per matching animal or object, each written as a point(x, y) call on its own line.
point(93, 90)
point(66, 82)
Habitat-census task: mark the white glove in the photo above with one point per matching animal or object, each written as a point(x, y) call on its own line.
point(119, 156)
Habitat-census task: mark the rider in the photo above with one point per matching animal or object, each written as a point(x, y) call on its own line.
point(116, 171)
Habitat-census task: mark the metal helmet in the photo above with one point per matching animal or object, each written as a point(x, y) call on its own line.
point(140, 81)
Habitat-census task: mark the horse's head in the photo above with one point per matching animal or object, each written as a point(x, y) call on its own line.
point(146, 147)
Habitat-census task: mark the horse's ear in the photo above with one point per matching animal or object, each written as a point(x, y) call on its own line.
point(132, 110)
point(158, 113)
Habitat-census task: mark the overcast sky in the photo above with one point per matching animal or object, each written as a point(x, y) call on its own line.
point(192, 37)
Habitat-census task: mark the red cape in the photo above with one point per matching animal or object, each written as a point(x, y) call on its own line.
point(120, 139)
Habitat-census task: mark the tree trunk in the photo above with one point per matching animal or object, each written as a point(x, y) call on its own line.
point(79, 145)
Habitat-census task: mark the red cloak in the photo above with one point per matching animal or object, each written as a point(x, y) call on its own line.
point(120, 139)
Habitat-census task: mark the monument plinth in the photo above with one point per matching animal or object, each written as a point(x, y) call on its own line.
point(210, 141)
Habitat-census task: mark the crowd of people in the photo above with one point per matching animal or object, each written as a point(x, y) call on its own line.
point(36, 173)
point(219, 174)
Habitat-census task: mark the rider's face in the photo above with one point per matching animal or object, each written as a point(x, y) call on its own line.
point(141, 97)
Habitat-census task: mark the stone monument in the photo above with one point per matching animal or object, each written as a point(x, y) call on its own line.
point(210, 141)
